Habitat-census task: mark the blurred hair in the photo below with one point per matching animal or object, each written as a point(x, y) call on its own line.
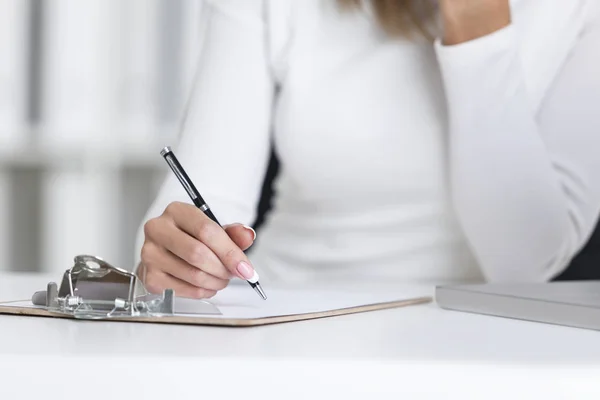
point(398, 18)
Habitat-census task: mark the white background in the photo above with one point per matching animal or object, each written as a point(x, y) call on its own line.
point(90, 91)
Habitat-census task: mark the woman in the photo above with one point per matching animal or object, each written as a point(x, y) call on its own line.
point(469, 157)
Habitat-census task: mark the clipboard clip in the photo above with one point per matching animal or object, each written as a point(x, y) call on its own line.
point(94, 289)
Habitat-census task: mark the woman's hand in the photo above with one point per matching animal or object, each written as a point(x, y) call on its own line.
point(466, 20)
point(186, 251)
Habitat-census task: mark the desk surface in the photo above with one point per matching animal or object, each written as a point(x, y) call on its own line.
point(419, 350)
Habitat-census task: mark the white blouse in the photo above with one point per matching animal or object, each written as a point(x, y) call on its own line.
point(402, 161)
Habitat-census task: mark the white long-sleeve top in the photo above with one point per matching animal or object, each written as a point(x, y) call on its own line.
point(401, 160)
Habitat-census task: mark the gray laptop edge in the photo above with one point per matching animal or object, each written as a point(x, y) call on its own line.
point(570, 303)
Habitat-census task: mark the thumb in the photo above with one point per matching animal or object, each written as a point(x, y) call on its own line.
point(242, 235)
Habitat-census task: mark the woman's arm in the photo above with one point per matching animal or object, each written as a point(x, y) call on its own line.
point(225, 144)
point(526, 184)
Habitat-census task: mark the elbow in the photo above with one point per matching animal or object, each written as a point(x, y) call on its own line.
point(519, 269)
point(538, 256)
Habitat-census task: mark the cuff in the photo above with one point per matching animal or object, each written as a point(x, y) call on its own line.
point(477, 50)
point(480, 72)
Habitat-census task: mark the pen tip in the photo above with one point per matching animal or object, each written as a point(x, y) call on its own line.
point(260, 291)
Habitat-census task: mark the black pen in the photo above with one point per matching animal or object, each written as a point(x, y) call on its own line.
point(199, 202)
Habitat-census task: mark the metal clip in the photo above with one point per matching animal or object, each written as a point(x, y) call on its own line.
point(94, 289)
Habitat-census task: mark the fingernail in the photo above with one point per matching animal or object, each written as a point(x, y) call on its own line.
point(245, 270)
point(251, 230)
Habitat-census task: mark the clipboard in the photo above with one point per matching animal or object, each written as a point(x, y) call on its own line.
point(94, 290)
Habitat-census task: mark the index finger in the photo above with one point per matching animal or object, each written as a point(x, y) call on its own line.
point(195, 223)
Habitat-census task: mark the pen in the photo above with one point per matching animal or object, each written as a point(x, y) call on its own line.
point(199, 202)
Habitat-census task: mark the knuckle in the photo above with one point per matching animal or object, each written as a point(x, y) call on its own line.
point(170, 208)
point(173, 208)
point(231, 256)
point(204, 230)
point(196, 256)
point(200, 293)
point(153, 284)
point(223, 273)
point(222, 284)
point(147, 254)
point(198, 278)
point(150, 227)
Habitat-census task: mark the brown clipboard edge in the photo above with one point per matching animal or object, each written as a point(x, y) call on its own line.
point(226, 322)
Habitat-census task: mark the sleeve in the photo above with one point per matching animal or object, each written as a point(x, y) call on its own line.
point(525, 185)
point(225, 143)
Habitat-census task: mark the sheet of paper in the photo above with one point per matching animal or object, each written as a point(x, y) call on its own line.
point(239, 301)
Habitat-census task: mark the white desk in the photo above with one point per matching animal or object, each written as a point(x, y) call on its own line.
point(407, 353)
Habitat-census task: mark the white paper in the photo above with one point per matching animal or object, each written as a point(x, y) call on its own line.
point(239, 301)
